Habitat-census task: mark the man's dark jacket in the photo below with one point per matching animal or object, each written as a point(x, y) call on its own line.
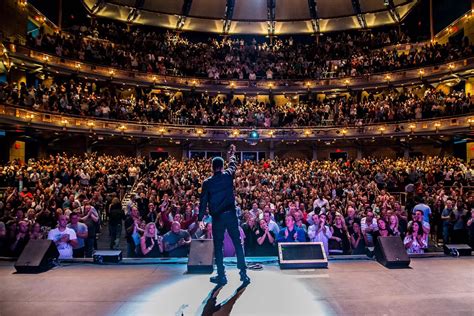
point(218, 192)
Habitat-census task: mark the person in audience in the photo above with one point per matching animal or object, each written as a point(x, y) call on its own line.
point(91, 219)
point(4, 247)
point(177, 241)
point(267, 216)
point(339, 241)
point(21, 239)
point(80, 229)
point(424, 208)
point(249, 228)
point(470, 226)
point(448, 217)
point(414, 240)
point(151, 243)
point(358, 240)
point(394, 226)
point(64, 238)
point(291, 233)
point(265, 240)
point(319, 231)
point(133, 230)
point(116, 218)
point(36, 232)
point(368, 224)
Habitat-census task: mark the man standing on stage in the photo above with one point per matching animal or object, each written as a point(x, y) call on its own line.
point(218, 192)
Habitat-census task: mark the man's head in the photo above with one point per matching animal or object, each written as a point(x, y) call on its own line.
point(419, 215)
point(175, 227)
point(217, 164)
point(290, 221)
point(267, 216)
point(23, 227)
point(62, 221)
point(74, 218)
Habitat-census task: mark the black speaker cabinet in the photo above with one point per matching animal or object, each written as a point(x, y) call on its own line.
point(107, 256)
point(201, 256)
point(302, 255)
point(391, 253)
point(38, 256)
point(457, 250)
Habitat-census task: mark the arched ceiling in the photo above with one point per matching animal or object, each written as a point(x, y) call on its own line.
point(255, 16)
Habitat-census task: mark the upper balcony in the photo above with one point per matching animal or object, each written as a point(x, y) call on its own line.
point(22, 56)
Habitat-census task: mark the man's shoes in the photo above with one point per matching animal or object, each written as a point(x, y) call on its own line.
point(245, 279)
point(219, 280)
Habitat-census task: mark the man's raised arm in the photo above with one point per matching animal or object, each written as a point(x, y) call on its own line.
point(232, 167)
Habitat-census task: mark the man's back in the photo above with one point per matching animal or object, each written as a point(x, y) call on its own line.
point(218, 191)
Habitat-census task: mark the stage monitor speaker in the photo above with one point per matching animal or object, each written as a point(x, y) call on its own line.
point(201, 256)
point(391, 253)
point(457, 250)
point(38, 256)
point(107, 256)
point(302, 255)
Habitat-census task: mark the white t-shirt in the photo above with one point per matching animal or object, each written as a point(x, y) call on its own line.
point(64, 248)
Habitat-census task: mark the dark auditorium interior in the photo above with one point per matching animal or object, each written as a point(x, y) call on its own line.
point(346, 127)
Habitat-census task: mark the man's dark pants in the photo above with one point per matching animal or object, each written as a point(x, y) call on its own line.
point(227, 220)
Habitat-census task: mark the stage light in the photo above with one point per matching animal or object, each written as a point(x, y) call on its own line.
point(253, 138)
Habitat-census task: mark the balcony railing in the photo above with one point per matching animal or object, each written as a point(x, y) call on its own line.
point(401, 77)
point(54, 121)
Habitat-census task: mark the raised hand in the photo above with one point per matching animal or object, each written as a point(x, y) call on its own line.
point(232, 149)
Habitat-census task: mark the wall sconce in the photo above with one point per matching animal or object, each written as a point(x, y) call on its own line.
point(308, 85)
point(199, 132)
point(346, 82)
point(45, 59)
point(388, 78)
point(235, 133)
point(381, 129)
point(437, 125)
point(91, 125)
point(64, 122)
point(271, 134)
point(451, 67)
point(412, 127)
point(29, 118)
point(111, 73)
point(232, 85)
point(470, 121)
point(22, 3)
point(194, 83)
point(122, 128)
point(154, 79)
point(421, 72)
point(270, 86)
point(307, 132)
point(343, 132)
point(77, 66)
point(161, 130)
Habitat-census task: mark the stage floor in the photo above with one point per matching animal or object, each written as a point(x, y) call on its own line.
point(432, 286)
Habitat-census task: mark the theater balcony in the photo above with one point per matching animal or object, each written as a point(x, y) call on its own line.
point(19, 116)
point(40, 62)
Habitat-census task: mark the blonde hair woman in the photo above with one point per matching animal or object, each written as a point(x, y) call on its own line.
point(150, 243)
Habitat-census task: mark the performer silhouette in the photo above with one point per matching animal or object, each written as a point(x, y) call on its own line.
point(218, 193)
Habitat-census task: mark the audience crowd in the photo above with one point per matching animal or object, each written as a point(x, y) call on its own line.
point(150, 106)
point(170, 53)
point(46, 198)
point(345, 205)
